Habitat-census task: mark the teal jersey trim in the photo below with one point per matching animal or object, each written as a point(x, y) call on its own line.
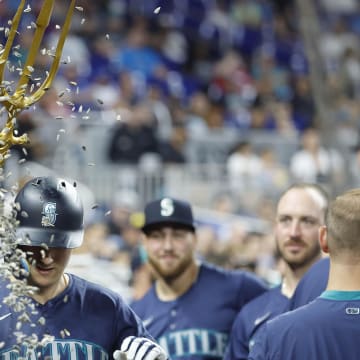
point(340, 295)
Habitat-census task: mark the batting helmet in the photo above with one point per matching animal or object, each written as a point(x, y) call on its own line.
point(50, 212)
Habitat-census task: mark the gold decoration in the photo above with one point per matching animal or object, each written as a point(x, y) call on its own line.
point(22, 98)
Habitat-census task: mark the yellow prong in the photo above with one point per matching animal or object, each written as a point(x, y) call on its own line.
point(55, 65)
point(42, 23)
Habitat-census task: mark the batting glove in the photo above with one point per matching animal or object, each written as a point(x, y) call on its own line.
point(140, 348)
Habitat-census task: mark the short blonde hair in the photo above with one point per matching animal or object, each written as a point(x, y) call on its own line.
point(343, 223)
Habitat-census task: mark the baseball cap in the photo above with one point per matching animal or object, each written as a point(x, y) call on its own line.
point(169, 211)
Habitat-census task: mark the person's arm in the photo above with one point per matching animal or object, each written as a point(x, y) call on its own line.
point(134, 341)
point(238, 346)
point(259, 350)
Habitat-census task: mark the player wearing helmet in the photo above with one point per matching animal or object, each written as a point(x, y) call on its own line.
point(191, 307)
point(77, 319)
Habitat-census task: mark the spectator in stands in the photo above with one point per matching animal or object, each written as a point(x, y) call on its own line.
point(137, 55)
point(125, 202)
point(302, 102)
point(349, 69)
point(274, 177)
point(282, 114)
point(315, 163)
point(271, 79)
point(198, 110)
point(172, 151)
point(133, 137)
point(243, 167)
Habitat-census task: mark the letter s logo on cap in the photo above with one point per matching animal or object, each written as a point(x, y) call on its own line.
point(167, 207)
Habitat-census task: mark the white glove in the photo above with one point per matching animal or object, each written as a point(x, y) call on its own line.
point(140, 348)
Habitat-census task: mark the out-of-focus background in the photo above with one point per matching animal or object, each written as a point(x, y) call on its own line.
point(219, 102)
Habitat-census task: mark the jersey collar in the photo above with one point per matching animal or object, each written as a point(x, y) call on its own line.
point(340, 295)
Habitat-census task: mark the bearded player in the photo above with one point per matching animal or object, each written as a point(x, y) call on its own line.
point(191, 306)
point(299, 215)
point(328, 327)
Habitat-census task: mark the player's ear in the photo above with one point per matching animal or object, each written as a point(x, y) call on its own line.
point(323, 239)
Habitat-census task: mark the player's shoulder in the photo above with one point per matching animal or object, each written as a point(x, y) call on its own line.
point(148, 298)
point(312, 284)
point(265, 299)
point(263, 307)
point(300, 318)
point(93, 292)
point(212, 270)
point(240, 283)
point(4, 286)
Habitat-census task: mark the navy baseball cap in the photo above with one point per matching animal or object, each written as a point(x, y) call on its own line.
point(168, 211)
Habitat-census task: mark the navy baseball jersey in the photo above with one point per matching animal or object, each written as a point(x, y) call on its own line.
point(327, 328)
point(249, 320)
point(88, 322)
point(312, 284)
point(197, 324)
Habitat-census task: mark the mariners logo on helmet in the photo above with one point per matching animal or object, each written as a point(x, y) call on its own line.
point(49, 214)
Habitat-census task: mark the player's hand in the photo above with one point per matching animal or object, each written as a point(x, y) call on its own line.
point(139, 348)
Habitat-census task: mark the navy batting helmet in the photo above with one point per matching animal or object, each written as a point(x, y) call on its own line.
point(49, 212)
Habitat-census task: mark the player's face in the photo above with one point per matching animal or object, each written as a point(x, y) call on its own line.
point(46, 266)
point(300, 212)
point(170, 250)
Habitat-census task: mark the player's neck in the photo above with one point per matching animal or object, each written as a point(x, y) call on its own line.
point(171, 290)
point(290, 281)
point(43, 295)
point(292, 277)
point(344, 277)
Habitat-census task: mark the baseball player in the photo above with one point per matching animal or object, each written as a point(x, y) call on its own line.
point(328, 327)
point(299, 214)
point(60, 315)
point(191, 306)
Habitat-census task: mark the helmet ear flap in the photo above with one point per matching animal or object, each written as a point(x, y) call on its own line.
point(50, 212)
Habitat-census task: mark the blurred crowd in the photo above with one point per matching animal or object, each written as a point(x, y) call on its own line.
point(159, 73)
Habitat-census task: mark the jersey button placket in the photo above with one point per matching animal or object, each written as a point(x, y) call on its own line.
point(173, 314)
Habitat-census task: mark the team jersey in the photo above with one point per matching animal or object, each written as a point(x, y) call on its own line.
point(312, 284)
point(87, 321)
point(327, 328)
point(196, 325)
point(249, 320)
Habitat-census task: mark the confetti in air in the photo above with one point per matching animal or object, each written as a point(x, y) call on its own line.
point(14, 262)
